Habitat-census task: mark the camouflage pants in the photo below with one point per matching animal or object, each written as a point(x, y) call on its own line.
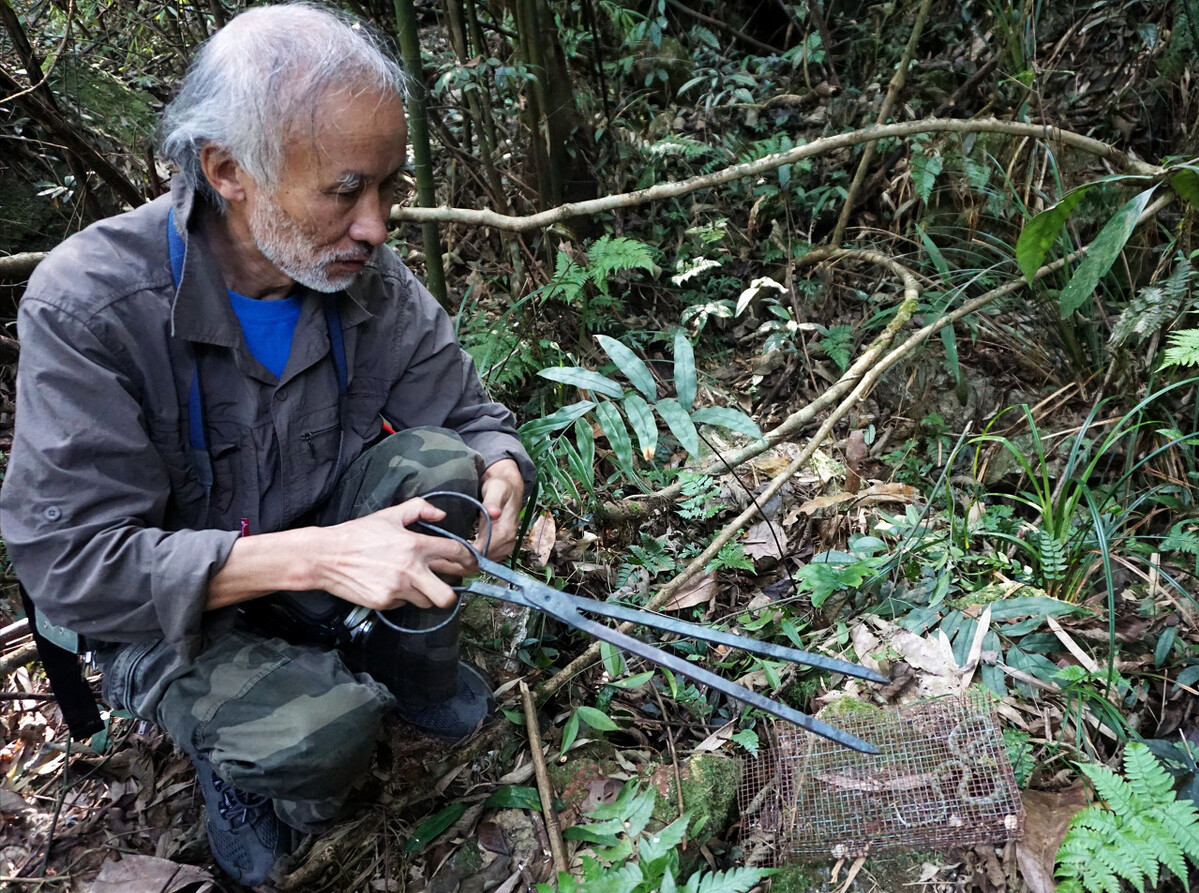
point(289, 719)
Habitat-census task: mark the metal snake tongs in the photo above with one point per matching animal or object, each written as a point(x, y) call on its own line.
point(567, 609)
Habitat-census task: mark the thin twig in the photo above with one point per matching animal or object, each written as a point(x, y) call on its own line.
point(553, 829)
point(674, 759)
point(897, 81)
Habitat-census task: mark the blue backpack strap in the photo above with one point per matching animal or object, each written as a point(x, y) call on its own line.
point(195, 404)
point(336, 342)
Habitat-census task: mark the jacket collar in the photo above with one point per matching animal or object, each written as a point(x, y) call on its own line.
point(201, 311)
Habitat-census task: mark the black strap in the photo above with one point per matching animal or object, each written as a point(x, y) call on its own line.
point(71, 690)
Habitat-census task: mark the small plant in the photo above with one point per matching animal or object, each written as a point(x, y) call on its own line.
point(642, 404)
point(1139, 829)
point(626, 857)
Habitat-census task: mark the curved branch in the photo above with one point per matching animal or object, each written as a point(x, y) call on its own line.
point(770, 162)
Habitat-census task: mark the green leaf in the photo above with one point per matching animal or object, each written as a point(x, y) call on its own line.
point(1041, 232)
point(584, 379)
point(724, 417)
point(1165, 644)
point(641, 419)
point(597, 719)
point(612, 660)
point(1186, 183)
point(634, 681)
point(564, 417)
point(570, 732)
point(618, 435)
point(631, 365)
point(748, 739)
point(662, 842)
point(679, 423)
point(685, 382)
point(1102, 253)
point(431, 827)
point(513, 796)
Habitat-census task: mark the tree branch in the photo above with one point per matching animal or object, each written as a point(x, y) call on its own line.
point(771, 162)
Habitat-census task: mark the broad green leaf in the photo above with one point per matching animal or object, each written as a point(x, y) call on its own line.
point(612, 660)
point(1041, 232)
point(597, 719)
point(588, 834)
point(679, 423)
point(631, 365)
point(641, 419)
point(724, 417)
point(570, 732)
point(1102, 253)
point(556, 421)
point(428, 830)
point(685, 383)
point(618, 435)
point(755, 287)
point(1186, 183)
point(584, 379)
point(635, 681)
point(514, 796)
point(1031, 605)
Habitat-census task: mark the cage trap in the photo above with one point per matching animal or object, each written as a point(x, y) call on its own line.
point(941, 780)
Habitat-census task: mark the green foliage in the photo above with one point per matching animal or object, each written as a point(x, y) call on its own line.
point(640, 406)
point(627, 857)
point(1183, 349)
point(1139, 829)
point(1154, 306)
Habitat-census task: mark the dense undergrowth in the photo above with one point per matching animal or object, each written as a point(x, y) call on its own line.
point(1018, 483)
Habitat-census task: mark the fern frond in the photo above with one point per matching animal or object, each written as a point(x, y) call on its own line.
point(1181, 819)
point(1183, 349)
point(608, 255)
point(1113, 789)
point(1182, 538)
point(1154, 306)
point(1146, 777)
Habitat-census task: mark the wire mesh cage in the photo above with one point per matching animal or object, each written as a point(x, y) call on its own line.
point(941, 780)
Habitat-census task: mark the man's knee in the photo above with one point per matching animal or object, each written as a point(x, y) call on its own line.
point(276, 719)
point(409, 463)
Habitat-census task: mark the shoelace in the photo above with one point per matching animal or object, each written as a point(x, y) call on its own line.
point(236, 805)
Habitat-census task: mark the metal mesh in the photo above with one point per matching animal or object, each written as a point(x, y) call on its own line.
point(941, 780)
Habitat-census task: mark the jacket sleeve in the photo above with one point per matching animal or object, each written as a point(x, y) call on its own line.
point(437, 384)
point(86, 493)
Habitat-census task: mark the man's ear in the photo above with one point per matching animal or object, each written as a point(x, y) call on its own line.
point(223, 172)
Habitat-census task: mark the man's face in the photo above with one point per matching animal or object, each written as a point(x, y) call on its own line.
point(337, 184)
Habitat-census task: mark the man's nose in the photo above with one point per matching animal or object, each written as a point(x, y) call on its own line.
point(370, 220)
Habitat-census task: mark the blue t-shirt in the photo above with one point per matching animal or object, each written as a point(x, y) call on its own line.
point(268, 327)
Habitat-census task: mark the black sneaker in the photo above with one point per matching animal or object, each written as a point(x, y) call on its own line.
point(245, 835)
point(456, 718)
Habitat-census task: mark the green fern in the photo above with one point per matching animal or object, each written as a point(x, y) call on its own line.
point(1139, 828)
point(1154, 306)
point(608, 255)
point(1183, 349)
point(1182, 538)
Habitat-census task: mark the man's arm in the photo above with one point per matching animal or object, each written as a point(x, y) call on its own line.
point(375, 561)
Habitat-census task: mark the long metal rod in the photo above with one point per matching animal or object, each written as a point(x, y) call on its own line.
point(552, 604)
point(698, 631)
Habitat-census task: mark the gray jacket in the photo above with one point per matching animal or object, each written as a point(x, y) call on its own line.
point(103, 510)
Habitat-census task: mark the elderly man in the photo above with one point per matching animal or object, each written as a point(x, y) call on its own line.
point(199, 483)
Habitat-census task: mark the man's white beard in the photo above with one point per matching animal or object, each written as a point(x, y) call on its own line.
point(285, 244)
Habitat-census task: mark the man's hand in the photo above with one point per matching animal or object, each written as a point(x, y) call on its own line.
point(375, 561)
point(502, 490)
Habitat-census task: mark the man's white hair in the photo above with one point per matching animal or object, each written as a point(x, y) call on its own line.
point(261, 76)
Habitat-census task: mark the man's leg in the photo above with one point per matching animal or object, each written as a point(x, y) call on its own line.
point(277, 732)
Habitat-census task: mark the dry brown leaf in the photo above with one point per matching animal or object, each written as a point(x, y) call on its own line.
point(823, 502)
point(1047, 818)
point(760, 542)
point(698, 591)
point(146, 874)
point(888, 493)
point(542, 536)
